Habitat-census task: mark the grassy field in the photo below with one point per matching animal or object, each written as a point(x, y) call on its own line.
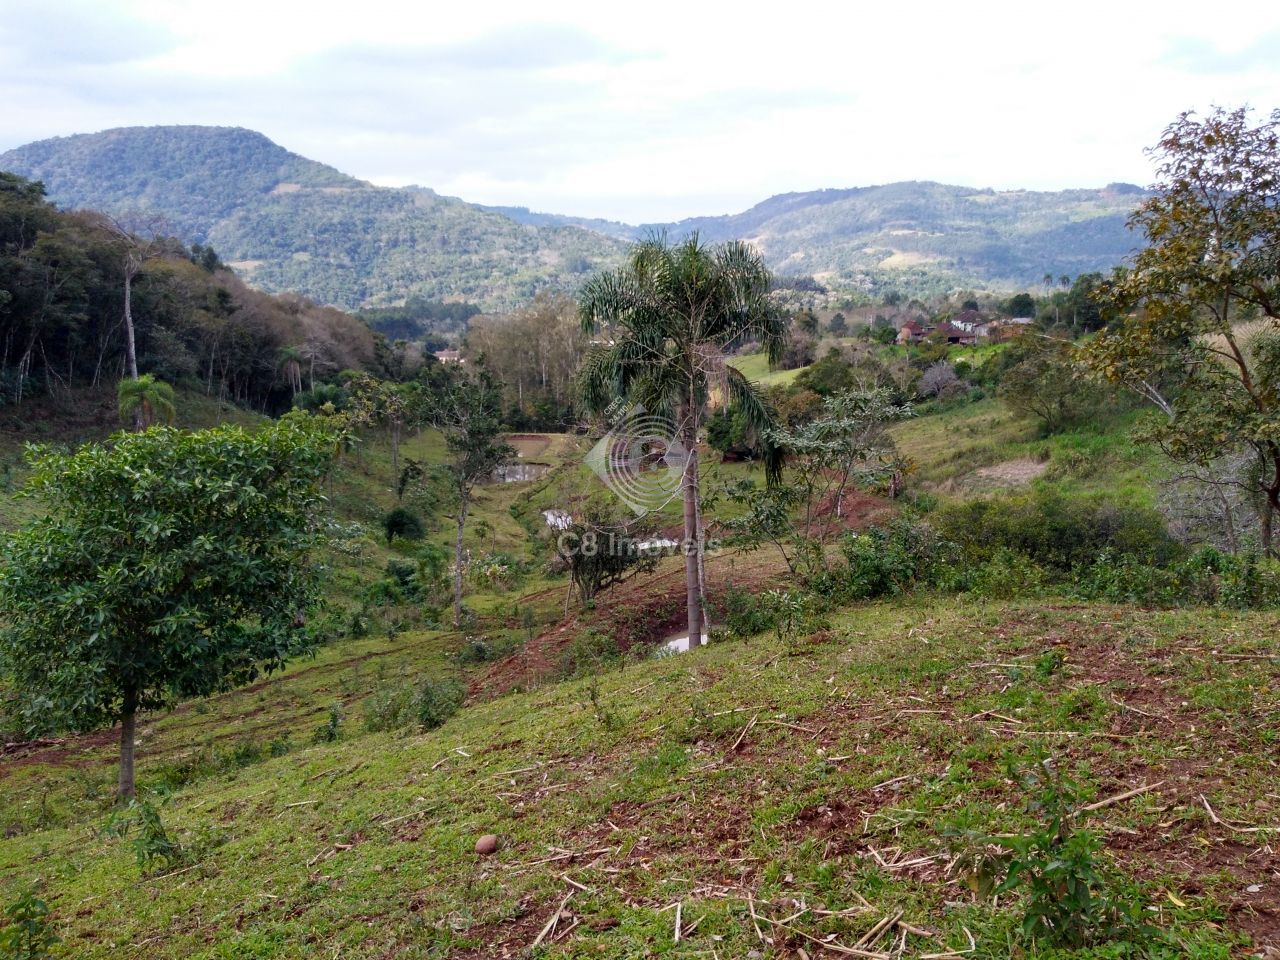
point(775, 796)
point(755, 366)
point(812, 781)
point(955, 450)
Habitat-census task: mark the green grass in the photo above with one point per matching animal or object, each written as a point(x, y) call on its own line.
point(755, 366)
point(868, 741)
point(950, 444)
point(754, 774)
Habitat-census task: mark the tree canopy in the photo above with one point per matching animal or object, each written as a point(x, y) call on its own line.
point(169, 565)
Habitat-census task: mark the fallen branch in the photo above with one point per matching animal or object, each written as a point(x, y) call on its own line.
point(551, 921)
point(745, 731)
point(1120, 797)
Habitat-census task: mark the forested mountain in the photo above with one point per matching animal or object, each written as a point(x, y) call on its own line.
point(62, 296)
point(288, 223)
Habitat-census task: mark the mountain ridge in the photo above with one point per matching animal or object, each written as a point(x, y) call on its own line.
point(291, 223)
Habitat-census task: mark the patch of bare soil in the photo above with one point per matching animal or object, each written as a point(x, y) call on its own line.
point(1011, 473)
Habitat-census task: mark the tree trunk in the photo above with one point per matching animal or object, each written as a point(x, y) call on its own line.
point(131, 352)
point(128, 721)
point(394, 430)
point(692, 545)
point(702, 564)
point(457, 566)
point(1269, 510)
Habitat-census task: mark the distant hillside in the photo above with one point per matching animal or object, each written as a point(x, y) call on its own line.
point(974, 237)
point(287, 222)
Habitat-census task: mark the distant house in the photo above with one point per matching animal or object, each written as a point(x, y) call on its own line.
point(952, 334)
point(910, 332)
point(449, 356)
point(967, 320)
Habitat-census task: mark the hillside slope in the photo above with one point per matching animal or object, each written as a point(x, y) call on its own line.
point(288, 223)
point(291, 223)
point(1006, 238)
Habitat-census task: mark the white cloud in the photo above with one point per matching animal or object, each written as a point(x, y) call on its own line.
point(649, 113)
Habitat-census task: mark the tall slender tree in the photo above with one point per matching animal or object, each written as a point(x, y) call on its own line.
point(670, 315)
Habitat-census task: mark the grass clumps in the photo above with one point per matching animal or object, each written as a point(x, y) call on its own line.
point(425, 704)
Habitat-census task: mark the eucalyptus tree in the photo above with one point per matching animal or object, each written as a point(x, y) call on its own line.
point(169, 565)
point(664, 323)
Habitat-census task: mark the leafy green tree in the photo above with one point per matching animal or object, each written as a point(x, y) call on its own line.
point(146, 401)
point(1199, 334)
point(467, 409)
point(170, 565)
point(1020, 305)
point(670, 314)
point(1050, 385)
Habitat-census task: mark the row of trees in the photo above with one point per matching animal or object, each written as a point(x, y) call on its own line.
point(85, 300)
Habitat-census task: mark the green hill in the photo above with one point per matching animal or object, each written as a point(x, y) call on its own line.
point(289, 223)
point(905, 233)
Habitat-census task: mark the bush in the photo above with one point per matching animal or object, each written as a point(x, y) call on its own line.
point(589, 653)
point(1057, 533)
point(886, 561)
point(426, 705)
point(483, 650)
point(1209, 577)
point(1067, 897)
point(402, 524)
point(745, 614)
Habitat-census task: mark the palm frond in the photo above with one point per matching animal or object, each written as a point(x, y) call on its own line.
point(761, 419)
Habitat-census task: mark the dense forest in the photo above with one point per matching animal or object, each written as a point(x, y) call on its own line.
point(62, 310)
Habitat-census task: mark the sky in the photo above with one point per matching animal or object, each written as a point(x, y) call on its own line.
point(650, 112)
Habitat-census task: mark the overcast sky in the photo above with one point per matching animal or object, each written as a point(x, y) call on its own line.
point(650, 111)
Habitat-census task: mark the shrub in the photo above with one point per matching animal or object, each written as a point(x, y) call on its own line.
point(1068, 899)
point(331, 729)
point(427, 704)
point(402, 524)
point(886, 561)
point(1207, 577)
point(436, 701)
point(26, 934)
point(1005, 576)
point(483, 650)
point(590, 652)
point(745, 614)
point(1056, 532)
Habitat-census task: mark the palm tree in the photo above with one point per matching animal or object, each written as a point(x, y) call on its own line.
point(670, 314)
point(146, 400)
point(289, 359)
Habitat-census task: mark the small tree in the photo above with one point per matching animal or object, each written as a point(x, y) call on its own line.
point(940, 380)
point(170, 565)
point(146, 401)
point(846, 446)
point(599, 551)
point(1051, 386)
point(467, 409)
